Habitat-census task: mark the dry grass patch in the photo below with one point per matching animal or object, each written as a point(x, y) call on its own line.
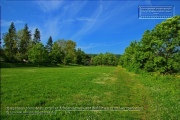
point(96, 100)
point(105, 79)
point(78, 98)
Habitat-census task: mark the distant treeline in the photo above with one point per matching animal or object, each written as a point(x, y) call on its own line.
point(157, 51)
point(22, 46)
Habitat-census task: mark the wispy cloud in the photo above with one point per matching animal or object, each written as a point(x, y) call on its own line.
point(58, 15)
point(105, 14)
point(102, 44)
point(52, 27)
point(47, 6)
point(7, 23)
point(46, 30)
point(63, 22)
point(85, 19)
point(78, 19)
point(92, 21)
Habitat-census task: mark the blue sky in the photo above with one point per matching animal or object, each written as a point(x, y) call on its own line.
point(96, 26)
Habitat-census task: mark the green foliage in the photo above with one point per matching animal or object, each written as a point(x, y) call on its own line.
point(62, 51)
point(37, 36)
point(66, 51)
point(149, 66)
point(81, 57)
point(37, 54)
point(10, 43)
point(55, 53)
point(105, 59)
point(49, 44)
point(48, 47)
point(19, 46)
point(70, 52)
point(24, 38)
point(158, 50)
point(2, 57)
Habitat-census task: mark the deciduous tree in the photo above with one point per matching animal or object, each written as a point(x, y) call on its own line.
point(37, 54)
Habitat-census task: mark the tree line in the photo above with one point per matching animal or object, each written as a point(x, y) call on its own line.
point(22, 46)
point(157, 51)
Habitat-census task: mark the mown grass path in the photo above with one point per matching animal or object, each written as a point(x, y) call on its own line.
point(78, 87)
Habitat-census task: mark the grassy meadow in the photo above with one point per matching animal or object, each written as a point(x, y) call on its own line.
point(158, 96)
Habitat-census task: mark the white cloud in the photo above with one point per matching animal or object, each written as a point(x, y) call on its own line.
point(74, 7)
point(52, 27)
point(78, 19)
point(104, 14)
point(7, 23)
point(92, 20)
point(63, 23)
point(85, 19)
point(105, 44)
point(47, 6)
point(56, 23)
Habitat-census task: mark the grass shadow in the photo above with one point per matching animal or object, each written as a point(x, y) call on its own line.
point(21, 64)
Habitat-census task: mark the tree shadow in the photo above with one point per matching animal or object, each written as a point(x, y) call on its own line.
point(22, 64)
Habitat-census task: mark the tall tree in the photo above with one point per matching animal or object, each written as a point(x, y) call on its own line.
point(24, 41)
point(49, 44)
point(37, 36)
point(48, 47)
point(10, 43)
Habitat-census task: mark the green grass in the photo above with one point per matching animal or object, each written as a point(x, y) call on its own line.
point(88, 87)
point(165, 91)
